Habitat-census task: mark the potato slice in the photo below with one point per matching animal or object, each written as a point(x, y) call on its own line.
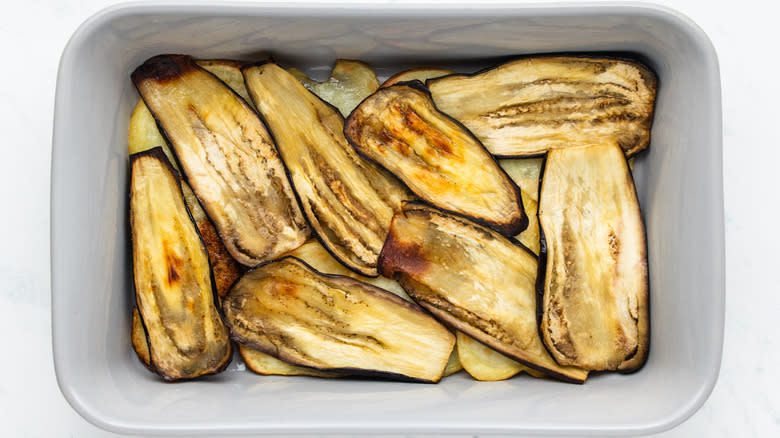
point(486, 364)
point(525, 173)
point(349, 83)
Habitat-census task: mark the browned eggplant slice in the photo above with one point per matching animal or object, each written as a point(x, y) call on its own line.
point(525, 173)
point(593, 269)
point(532, 105)
point(349, 83)
point(228, 156)
point(335, 323)
point(473, 279)
point(438, 159)
point(173, 282)
point(348, 200)
point(486, 364)
point(416, 74)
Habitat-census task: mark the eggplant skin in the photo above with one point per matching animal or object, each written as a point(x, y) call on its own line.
point(535, 104)
point(138, 339)
point(593, 265)
point(348, 200)
point(473, 279)
point(400, 128)
point(334, 323)
point(416, 74)
point(267, 365)
point(174, 287)
point(227, 155)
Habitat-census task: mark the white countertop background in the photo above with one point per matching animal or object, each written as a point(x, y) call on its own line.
point(746, 399)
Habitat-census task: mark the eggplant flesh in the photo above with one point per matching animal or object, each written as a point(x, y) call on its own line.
point(593, 274)
point(472, 279)
point(529, 106)
point(525, 173)
point(348, 200)
point(486, 364)
point(439, 160)
point(173, 281)
point(227, 155)
point(349, 83)
point(335, 323)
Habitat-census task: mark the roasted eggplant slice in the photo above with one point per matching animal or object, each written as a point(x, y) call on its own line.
point(228, 156)
point(349, 83)
point(416, 74)
point(525, 173)
point(532, 105)
point(473, 279)
point(335, 323)
point(486, 364)
point(173, 283)
point(438, 159)
point(348, 200)
point(593, 266)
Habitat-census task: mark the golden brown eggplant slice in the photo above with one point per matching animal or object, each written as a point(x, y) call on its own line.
point(349, 83)
point(593, 266)
point(486, 364)
point(228, 156)
point(532, 105)
point(416, 74)
point(438, 159)
point(335, 323)
point(348, 200)
point(473, 279)
point(173, 283)
point(525, 173)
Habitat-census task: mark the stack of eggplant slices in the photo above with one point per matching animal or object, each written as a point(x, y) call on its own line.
point(408, 230)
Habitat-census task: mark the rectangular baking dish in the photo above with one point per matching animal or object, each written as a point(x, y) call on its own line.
point(679, 182)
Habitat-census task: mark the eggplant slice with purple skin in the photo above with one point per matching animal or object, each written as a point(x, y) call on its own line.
point(472, 279)
point(174, 287)
point(529, 106)
point(400, 128)
point(593, 265)
point(348, 200)
point(335, 323)
point(227, 155)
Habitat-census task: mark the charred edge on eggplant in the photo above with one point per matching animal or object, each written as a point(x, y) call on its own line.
point(347, 200)
point(444, 261)
point(613, 335)
point(186, 102)
point(580, 100)
point(360, 329)
point(212, 351)
point(452, 172)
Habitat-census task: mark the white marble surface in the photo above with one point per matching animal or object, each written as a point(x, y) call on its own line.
point(746, 400)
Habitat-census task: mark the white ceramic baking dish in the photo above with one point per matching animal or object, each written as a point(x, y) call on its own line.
point(679, 182)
